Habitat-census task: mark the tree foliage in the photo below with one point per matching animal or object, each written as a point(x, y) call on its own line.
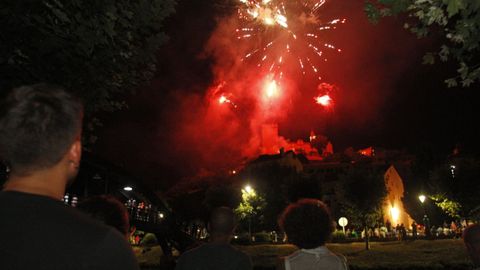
point(363, 195)
point(454, 187)
point(449, 207)
point(274, 179)
point(251, 208)
point(221, 195)
point(457, 21)
point(98, 49)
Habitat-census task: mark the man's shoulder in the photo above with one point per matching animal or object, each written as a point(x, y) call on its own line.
point(63, 235)
point(34, 210)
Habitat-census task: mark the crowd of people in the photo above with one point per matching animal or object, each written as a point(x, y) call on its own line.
point(40, 141)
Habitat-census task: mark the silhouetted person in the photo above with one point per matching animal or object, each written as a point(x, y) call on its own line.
point(40, 141)
point(403, 232)
point(414, 230)
point(218, 253)
point(108, 210)
point(471, 238)
point(308, 225)
point(388, 224)
point(428, 229)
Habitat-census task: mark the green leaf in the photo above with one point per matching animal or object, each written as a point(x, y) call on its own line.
point(444, 53)
point(452, 82)
point(467, 82)
point(429, 59)
point(372, 12)
point(453, 7)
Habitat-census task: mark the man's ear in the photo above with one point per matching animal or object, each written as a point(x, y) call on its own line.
point(75, 153)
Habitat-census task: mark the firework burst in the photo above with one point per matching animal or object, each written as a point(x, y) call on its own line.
point(324, 98)
point(284, 35)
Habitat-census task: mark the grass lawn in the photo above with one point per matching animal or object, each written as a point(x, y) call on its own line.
point(412, 255)
point(420, 254)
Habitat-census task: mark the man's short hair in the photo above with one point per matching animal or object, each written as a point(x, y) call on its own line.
point(38, 124)
point(222, 221)
point(307, 223)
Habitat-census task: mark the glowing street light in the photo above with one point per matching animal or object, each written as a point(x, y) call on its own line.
point(249, 189)
point(128, 188)
point(426, 221)
point(452, 170)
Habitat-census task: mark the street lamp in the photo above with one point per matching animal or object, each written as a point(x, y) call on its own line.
point(422, 198)
point(426, 221)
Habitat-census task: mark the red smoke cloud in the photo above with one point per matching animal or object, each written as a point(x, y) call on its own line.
point(194, 130)
point(222, 127)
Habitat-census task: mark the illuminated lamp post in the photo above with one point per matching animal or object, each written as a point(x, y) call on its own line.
point(426, 221)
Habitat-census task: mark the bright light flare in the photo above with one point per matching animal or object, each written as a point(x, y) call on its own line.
point(324, 100)
point(271, 89)
point(223, 99)
point(395, 213)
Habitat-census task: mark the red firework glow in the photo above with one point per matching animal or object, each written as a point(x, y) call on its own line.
point(324, 100)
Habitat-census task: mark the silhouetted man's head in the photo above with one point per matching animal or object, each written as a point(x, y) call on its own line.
point(39, 126)
point(471, 237)
point(222, 221)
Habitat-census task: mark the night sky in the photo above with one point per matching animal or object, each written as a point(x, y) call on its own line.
point(385, 98)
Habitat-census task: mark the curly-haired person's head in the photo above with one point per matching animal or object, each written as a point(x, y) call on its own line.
point(307, 223)
point(107, 209)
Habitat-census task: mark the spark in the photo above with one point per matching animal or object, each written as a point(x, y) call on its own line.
point(278, 27)
point(324, 100)
point(223, 99)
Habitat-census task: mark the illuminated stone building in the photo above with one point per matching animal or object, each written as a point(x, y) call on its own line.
point(326, 166)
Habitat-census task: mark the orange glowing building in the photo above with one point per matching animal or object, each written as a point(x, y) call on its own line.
point(272, 143)
point(320, 159)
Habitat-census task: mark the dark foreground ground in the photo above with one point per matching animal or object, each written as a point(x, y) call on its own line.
point(412, 255)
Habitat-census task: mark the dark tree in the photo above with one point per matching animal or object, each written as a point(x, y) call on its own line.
point(273, 179)
point(363, 192)
point(223, 195)
point(98, 49)
point(305, 187)
point(454, 187)
point(456, 21)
